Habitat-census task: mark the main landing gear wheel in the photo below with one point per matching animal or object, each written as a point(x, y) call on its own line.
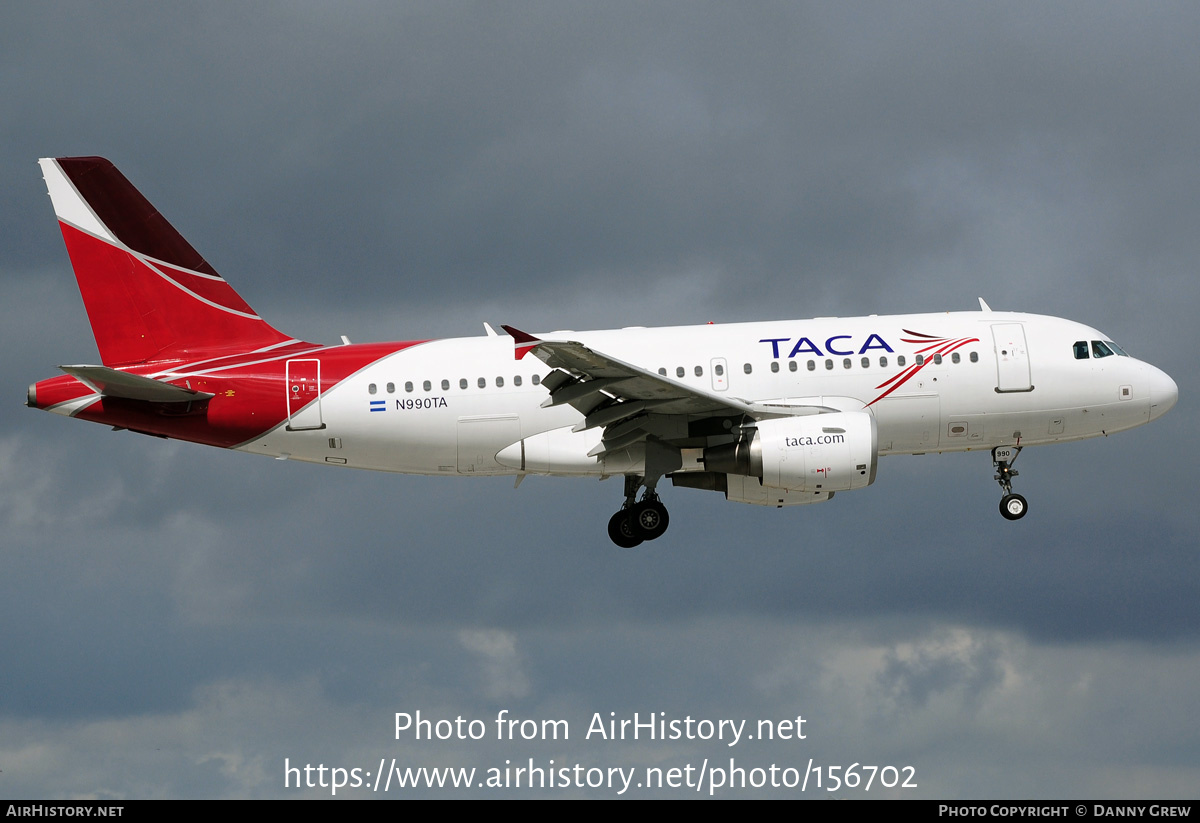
point(650, 519)
point(1013, 506)
point(621, 531)
point(637, 521)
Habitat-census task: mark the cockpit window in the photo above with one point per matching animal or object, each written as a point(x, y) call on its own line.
point(1081, 350)
point(1100, 350)
point(1115, 348)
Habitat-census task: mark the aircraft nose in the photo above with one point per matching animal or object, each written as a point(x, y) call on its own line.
point(1163, 393)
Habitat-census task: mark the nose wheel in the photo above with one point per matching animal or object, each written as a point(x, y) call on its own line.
point(1012, 506)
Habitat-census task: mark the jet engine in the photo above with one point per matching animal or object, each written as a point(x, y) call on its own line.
point(814, 453)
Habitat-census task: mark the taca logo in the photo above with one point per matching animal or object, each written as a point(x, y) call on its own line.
point(805, 345)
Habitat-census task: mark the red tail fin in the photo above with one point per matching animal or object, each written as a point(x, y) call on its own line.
point(149, 295)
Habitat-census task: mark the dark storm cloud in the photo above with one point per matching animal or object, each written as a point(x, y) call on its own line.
point(506, 144)
point(407, 171)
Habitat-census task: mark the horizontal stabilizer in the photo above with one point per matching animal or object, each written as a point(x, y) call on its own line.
point(114, 383)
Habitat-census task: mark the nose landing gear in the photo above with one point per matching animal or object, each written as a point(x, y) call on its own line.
point(1012, 506)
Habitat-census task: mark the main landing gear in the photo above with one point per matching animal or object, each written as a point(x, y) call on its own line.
point(1012, 506)
point(637, 521)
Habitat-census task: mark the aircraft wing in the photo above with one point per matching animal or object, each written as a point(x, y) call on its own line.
point(629, 401)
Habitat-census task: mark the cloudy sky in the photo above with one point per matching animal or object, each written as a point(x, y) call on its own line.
point(180, 621)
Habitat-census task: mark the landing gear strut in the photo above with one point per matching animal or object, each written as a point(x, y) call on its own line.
point(637, 521)
point(1012, 506)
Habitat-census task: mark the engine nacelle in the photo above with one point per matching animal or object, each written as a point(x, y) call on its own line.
point(741, 489)
point(750, 490)
point(814, 453)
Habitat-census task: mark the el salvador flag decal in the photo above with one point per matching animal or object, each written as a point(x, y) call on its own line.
point(378, 405)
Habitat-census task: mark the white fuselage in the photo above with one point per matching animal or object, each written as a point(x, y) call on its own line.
point(451, 406)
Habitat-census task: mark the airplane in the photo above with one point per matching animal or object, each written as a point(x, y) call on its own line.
point(776, 413)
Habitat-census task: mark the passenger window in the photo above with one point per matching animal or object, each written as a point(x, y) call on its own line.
point(937, 360)
point(371, 388)
point(663, 372)
point(679, 371)
point(1081, 350)
point(481, 382)
point(955, 358)
point(974, 357)
point(846, 363)
point(517, 380)
point(828, 365)
point(427, 386)
point(699, 371)
point(499, 382)
point(462, 383)
point(866, 362)
point(445, 385)
point(900, 361)
point(747, 368)
point(812, 365)
point(1100, 350)
point(792, 365)
point(537, 380)
point(775, 366)
point(920, 360)
point(883, 362)
point(719, 369)
point(391, 388)
point(408, 385)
